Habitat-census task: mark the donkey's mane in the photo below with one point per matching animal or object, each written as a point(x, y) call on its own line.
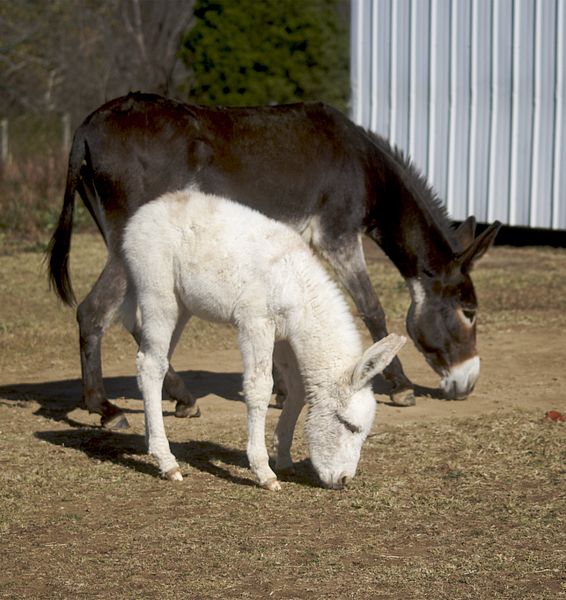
point(423, 192)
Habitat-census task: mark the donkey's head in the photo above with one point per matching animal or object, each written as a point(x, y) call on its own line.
point(442, 317)
point(337, 426)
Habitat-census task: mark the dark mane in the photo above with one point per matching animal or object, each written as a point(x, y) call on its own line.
point(422, 190)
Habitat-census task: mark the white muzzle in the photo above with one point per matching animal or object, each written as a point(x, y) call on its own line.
point(461, 379)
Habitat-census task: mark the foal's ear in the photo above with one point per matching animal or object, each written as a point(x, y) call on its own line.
point(478, 248)
point(375, 359)
point(466, 232)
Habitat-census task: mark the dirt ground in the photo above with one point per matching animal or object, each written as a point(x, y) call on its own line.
point(452, 500)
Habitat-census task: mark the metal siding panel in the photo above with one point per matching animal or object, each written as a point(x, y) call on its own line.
point(459, 110)
point(559, 178)
point(542, 193)
point(400, 73)
point(522, 112)
point(381, 74)
point(433, 78)
point(480, 104)
point(438, 147)
point(500, 111)
point(356, 50)
point(361, 34)
point(453, 100)
point(419, 131)
point(474, 96)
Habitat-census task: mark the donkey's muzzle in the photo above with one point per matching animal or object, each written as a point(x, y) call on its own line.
point(461, 379)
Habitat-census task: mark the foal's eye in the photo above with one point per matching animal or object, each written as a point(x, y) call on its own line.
point(349, 426)
point(428, 273)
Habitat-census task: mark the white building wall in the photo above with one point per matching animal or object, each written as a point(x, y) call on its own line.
point(473, 91)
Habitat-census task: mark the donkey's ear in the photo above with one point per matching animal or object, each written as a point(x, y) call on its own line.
point(478, 248)
point(375, 359)
point(466, 232)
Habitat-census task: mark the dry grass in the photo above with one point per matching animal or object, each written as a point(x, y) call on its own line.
point(468, 508)
point(464, 509)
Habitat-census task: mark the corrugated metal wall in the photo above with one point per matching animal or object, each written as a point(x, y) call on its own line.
point(473, 90)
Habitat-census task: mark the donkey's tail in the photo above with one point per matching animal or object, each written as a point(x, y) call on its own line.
point(60, 244)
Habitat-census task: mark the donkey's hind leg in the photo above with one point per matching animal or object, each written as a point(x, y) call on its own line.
point(173, 383)
point(95, 313)
point(287, 367)
point(174, 386)
point(347, 260)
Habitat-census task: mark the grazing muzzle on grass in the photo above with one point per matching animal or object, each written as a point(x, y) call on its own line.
point(442, 324)
point(459, 383)
point(337, 430)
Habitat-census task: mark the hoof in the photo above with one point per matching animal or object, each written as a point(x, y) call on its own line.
point(286, 470)
point(404, 397)
point(174, 474)
point(272, 485)
point(114, 422)
point(182, 411)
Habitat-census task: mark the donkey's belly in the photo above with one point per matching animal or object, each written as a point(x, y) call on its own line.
point(206, 299)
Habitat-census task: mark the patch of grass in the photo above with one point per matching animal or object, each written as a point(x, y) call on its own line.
point(469, 508)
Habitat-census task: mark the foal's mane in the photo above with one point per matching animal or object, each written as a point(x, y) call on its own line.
point(422, 191)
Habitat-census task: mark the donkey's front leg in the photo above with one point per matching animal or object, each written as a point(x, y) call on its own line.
point(174, 386)
point(256, 343)
point(186, 403)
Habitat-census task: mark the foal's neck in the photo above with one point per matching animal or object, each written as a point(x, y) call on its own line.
point(322, 332)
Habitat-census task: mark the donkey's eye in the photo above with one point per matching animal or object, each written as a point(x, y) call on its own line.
point(469, 314)
point(428, 273)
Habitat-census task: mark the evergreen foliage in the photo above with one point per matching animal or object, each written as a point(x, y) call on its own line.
point(251, 52)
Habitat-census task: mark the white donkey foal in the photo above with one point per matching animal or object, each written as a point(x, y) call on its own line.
point(189, 253)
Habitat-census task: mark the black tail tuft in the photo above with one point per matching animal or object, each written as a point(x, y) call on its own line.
point(60, 243)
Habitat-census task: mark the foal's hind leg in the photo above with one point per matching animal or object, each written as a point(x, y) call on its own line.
point(95, 313)
point(347, 260)
point(256, 338)
point(287, 367)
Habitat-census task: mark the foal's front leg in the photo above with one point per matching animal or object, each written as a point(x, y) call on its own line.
point(153, 363)
point(256, 343)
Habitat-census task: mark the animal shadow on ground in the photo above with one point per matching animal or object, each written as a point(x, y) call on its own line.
point(58, 398)
point(383, 388)
point(129, 450)
point(124, 449)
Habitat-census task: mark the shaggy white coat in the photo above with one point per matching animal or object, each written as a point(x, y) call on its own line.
point(189, 253)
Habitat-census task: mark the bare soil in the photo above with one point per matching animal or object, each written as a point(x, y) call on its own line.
point(453, 499)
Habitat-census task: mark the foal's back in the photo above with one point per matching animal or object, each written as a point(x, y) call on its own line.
point(220, 258)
